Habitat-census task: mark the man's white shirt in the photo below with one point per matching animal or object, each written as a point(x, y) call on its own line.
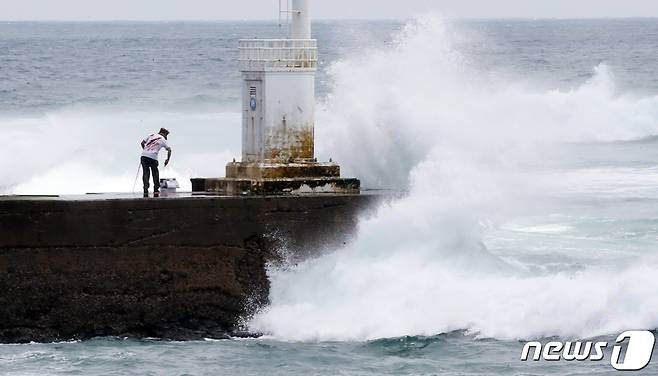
point(153, 144)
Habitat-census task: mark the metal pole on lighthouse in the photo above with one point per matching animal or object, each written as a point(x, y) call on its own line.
point(301, 19)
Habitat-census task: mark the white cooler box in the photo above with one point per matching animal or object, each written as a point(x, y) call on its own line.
point(169, 185)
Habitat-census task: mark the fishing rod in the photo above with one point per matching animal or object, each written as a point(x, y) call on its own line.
point(137, 177)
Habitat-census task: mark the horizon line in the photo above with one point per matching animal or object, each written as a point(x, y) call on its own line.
point(274, 20)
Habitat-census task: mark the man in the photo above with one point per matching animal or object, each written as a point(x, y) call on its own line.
point(150, 148)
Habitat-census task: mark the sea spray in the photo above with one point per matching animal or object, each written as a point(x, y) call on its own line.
point(75, 150)
point(470, 151)
point(397, 104)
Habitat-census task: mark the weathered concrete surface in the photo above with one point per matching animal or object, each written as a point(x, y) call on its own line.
point(269, 179)
point(256, 171)
point(237, 187)
point(181, 268)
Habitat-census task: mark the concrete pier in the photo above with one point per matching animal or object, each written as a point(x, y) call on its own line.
point(184, 267)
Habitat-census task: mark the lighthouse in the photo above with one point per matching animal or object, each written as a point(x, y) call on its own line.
point(278, 93)
point(278, 119)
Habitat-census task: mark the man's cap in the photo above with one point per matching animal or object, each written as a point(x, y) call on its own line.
point(164, 131)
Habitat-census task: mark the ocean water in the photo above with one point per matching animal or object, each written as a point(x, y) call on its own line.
point(528, 152)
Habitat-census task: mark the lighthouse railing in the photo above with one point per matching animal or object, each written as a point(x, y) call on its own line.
point(278, 54)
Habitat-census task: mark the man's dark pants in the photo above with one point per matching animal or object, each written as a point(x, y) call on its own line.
point(150, 164)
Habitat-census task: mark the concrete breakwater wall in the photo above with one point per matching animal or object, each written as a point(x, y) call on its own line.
point(176, 268)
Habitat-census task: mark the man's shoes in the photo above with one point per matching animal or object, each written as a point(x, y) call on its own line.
point(156, 194)
point(146, 194)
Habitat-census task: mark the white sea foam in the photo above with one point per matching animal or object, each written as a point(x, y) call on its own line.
point(542, 229)
point(424, 119)
point(394, 106)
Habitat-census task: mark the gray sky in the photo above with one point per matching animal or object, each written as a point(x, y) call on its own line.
point(322, 9)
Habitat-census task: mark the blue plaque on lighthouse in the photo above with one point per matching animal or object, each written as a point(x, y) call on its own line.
point(252, 104)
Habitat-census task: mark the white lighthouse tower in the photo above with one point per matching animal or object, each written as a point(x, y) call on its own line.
point(278, 118)
point(279, 93)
